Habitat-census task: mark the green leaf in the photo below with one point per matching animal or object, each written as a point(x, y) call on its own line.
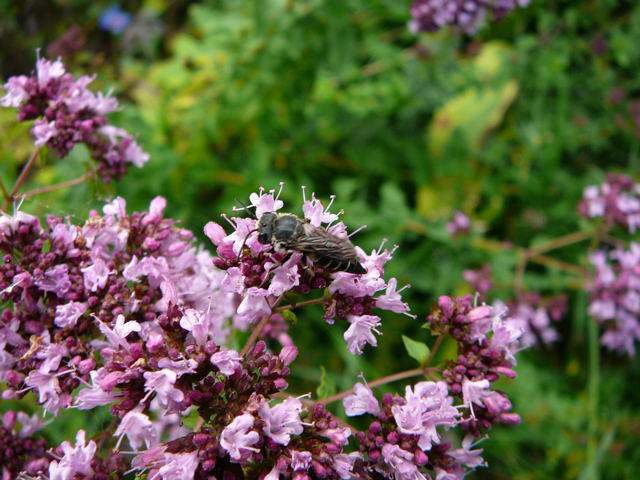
point(289, 316)
point(327, 385)
point(416, 350)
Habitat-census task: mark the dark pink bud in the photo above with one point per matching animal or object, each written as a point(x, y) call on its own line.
point(510, 418)
point(85, 366)
point(280, 383)
point(288, 354)
point(419, 457)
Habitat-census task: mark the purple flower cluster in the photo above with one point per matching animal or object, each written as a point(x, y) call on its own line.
point(404, 440)
point(615, 296)
point(536, 316)
point(66, 112)
point(467, 15)
point(487, 343)
point(20, 451)
point(118, 275)
point(125, 311)
point(460, 224)
point(258, 276)
point(617, 200)
point(480, 279)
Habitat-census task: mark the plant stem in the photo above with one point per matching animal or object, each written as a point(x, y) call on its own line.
point(433, 351)
point(376, 383)
point(562, 241)
point(23, 175)
point(559, 264)
point(5, 192)
point(299, 304)
point(59, 186)
point(258, 328)
point(591, 468)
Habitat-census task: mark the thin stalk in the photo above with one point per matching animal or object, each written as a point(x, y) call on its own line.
point(433, 351)
point(299, 304)
point(23, 174)
point(559, 264)
point(593, 387)
point(58, 186)
point(376, 383)
point(253, 338)
point(5, 192)
point(562, 241)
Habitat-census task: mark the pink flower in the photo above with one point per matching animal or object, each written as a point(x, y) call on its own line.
point(253, 307)
point(195, 322)
point(361, 332)
point(286, 276)
point(426, 407)
point(460, 224)
point(401, 463)
point(43, 131)
point(282, 420)
point(227, 361)
point(179, 466)
point(162, 384)
point(266, 202)
point(391, 299)
point(361, 401)
point(237, 436)
point(48, 388)
point(55, 279)
point(118, 335)
point(138, 429)
point(472, 392)
point(96, 274)
point(68, 314)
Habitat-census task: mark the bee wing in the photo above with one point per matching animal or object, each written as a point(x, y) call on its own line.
point(319, 242)
point(328, 251)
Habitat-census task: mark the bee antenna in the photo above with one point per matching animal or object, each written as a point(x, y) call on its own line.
point(246, 208)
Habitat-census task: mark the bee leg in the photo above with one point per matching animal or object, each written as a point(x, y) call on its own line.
point(273, 267)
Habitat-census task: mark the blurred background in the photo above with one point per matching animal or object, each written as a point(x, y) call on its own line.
point(508, 126)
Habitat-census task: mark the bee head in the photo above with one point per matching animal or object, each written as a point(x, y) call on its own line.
point(266, 225)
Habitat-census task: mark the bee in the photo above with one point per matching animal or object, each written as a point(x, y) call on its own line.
point(289, 233)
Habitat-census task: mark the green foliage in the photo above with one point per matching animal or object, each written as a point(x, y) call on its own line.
point(337, 95)
point(416, 350)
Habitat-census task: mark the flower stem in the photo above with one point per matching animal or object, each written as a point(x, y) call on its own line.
point(593, 387)
point(376, 383)
point(562, 241)
point(299, 304)
point(253, 338)
point(433, 351)
point(23, 176)
point(58, 186)
point(5, 192)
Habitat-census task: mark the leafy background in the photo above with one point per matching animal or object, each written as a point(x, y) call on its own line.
point(507, 126)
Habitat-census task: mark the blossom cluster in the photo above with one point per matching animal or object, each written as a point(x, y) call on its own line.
point(259, 275)
point(467, 15)
point(66, 112)
point(116, 275)
point(124, 311)
point(615, 296)
point(460, 224)
point(404, 440)
point(487, 342)
point(21, 451)
point(617, 200)
point(534, 314)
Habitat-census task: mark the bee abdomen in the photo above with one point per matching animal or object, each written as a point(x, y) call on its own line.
point(350, 265)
